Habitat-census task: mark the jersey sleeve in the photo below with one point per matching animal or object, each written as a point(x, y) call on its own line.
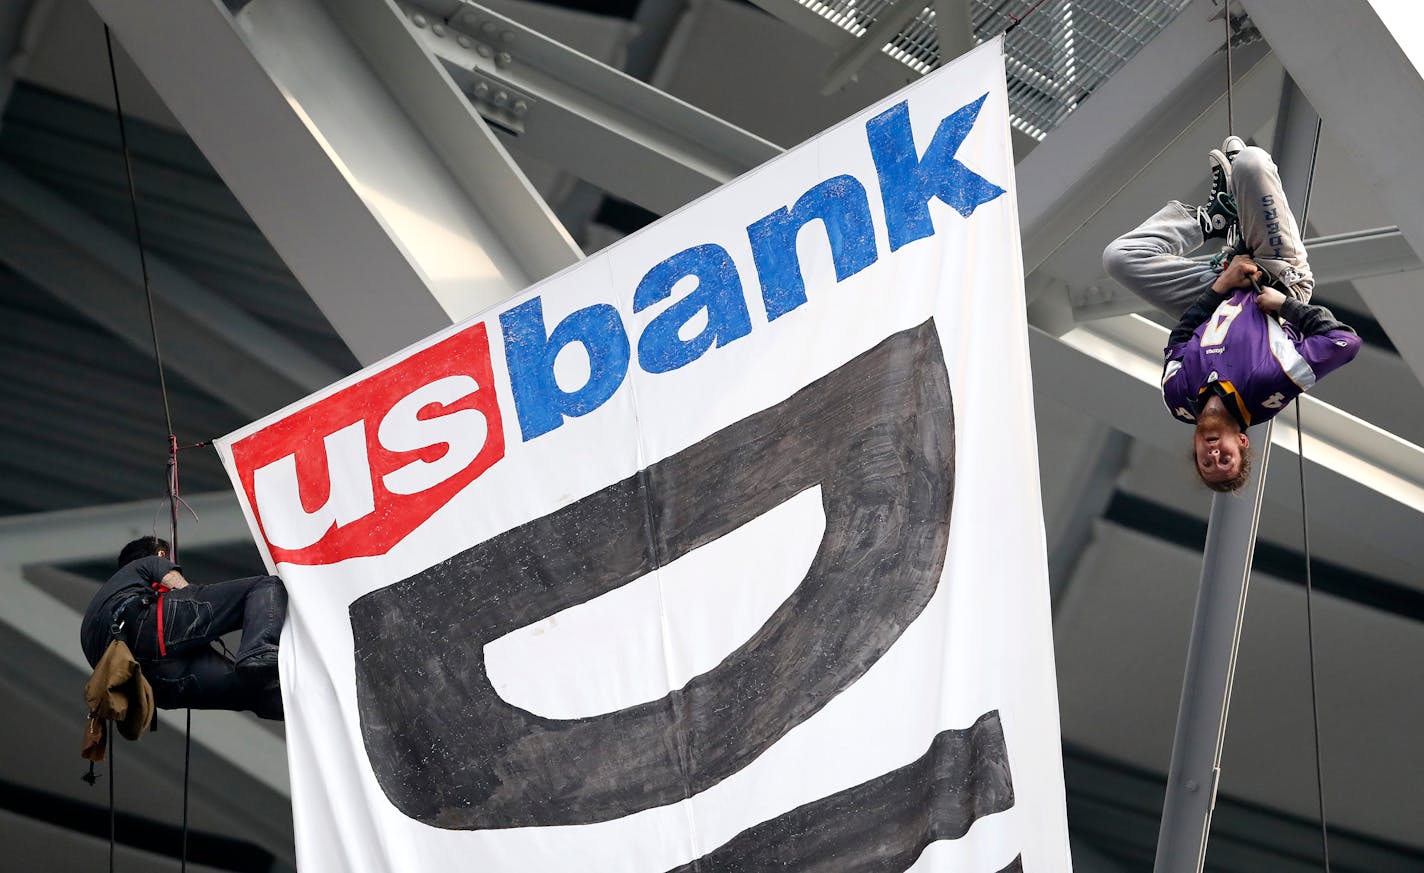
point(1329, 343)
point(1329, 351)
point(1176, 393)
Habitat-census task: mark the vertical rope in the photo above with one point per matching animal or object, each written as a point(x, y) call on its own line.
point(1230, 117)
point(167, 412)
point(187, 757)
point(1305, 544)
point(138, 229)
point(113, 833)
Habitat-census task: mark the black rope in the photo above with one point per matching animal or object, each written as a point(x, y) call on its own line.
point(1230, 118)
point(1305, 538)
point(173, 446)
point(113, 831)
point(1300, 461)
point(1015, 20)
point(187, 757)
point(138, 230)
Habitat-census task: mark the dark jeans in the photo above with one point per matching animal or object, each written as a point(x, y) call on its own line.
point(191, 675)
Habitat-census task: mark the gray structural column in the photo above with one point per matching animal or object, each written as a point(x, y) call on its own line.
point(355, 153)
point(1195, 770)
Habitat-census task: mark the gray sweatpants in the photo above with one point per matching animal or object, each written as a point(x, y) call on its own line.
point(1151, 260)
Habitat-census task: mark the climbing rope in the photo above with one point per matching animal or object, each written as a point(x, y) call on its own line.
point(173, 447)
point(1014, 20)
point(1300, 462)
point(1305, 543)
point(1230, 117)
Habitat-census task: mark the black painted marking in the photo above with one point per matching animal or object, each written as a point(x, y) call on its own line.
point(876, 435)
point(882, 826)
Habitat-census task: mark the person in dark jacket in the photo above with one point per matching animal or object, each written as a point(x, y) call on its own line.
point(170, 625)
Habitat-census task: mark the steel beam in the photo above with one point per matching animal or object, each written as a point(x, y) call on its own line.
point(1369, 88)
point(1145, 106)
point(603, 126)
point(21, 24)
point(1363, 254)
point(893, 18)
point(1360, 254)
point(954, 28)
point(356, 155)
point(1101, 459)
point(212, 342)
point(90, 533)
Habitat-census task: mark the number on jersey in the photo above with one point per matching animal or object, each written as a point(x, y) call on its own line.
point(1215, 333)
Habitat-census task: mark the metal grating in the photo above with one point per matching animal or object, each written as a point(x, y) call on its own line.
point(1060, 53)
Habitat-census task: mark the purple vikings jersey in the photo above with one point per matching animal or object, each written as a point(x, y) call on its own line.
point(1255, 363)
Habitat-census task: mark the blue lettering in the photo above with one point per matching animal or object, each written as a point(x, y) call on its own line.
point(542, 405)
point(718, 291)
point(907, 182)
point(843, 209)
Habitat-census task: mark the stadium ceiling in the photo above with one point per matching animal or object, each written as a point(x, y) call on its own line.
point(328, 180)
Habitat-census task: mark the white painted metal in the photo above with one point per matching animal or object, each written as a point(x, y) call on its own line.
point(608, 128)
point(91, 533)
point(1361, 254)
point(356, 155)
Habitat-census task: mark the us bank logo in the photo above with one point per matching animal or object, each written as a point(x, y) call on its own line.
point(354, 473)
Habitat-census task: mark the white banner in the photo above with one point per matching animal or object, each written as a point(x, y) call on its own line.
point(720, 550)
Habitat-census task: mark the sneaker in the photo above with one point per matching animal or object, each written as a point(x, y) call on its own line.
point(260, 663)
point(1232, 146)
point(1218, 216)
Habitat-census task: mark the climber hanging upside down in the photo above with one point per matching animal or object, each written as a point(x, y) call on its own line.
point(1230, 363)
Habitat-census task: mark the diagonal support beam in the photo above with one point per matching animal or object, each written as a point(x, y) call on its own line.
point(954, 28)
point(892, 19)
point(354, 152)
point(606, 127)
point(210, 341)
point(22, 22)
point(1334, 73)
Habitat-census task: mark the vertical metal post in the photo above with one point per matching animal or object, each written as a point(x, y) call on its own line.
point(1195, 770)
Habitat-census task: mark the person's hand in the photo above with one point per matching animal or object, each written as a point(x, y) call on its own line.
point(1270, 300)
point(1240, 273)
point(173, 580)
